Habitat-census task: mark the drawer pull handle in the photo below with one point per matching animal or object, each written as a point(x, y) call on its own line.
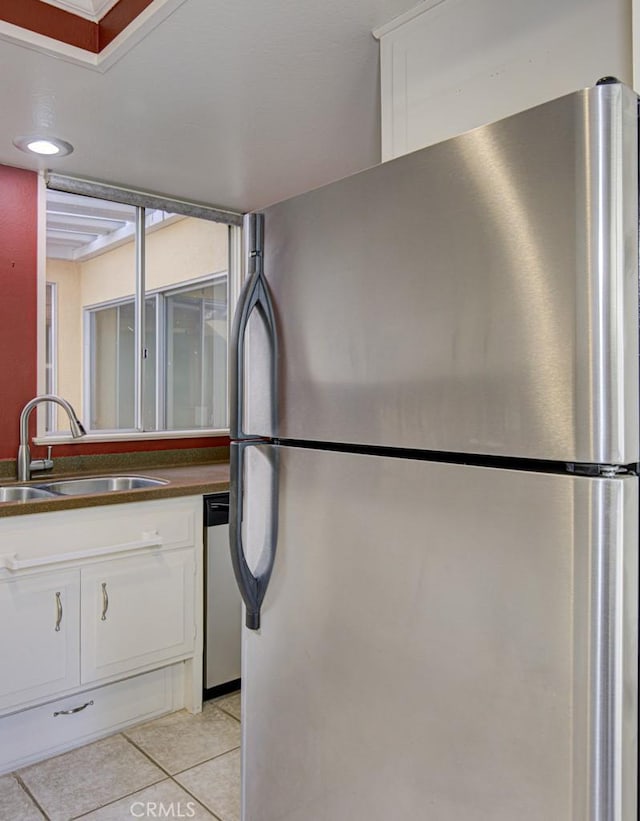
point(58, 612)
point(73, 710)
point(12, 562)
point(105, 602)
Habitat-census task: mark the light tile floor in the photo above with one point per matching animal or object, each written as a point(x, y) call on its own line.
point(188, 763)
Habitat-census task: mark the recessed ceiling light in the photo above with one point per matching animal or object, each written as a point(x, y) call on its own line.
point(47, 146)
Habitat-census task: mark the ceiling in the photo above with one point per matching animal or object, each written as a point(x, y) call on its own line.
point(234, 103)
point(80, 227)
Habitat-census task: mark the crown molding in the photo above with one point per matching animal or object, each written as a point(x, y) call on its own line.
point(93, 10)
point(130, 36)
point(398, 22)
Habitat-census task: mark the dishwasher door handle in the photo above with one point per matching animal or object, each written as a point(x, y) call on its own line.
point(216, 509)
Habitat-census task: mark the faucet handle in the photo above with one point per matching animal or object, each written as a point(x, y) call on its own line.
point(42, 464)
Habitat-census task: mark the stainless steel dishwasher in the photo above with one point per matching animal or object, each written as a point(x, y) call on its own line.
point(223, 608)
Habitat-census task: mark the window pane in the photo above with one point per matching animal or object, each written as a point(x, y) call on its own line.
point(216, 333)
point(186, 272)
point(91, 259)
point(197, 357)
point(112, 367)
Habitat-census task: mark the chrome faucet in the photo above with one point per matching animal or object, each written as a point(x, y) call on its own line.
point(25, 465)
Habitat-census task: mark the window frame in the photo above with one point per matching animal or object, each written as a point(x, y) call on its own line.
point(159, 295)
point(234, 274)
point(89, 362)
point(51, 341)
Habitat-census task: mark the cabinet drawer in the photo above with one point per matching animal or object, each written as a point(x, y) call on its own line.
point(74, 535)
point(38, 732)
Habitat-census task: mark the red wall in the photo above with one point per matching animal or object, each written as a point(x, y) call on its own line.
point(18, 276)
point(18, 324)
point(46, 19)
point(68, 27)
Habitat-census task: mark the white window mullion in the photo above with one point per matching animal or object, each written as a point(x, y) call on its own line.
point(88, 368)
point(51, 347)
point(203, 375)
point(161, 354)
point(117, 366)
point(169, 363)
point(139, 335)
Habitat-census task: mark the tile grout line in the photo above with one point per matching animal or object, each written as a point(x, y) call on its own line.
point(187, 790)
point(218, 703)
point(147, 755)
point(100, 806)
point(177, 783)
point(231, 715)
point(18, 778)
point(165, 775)
point(206, 761)
point(186, 769)
point(115, 800)
point(182, 786)
point(197, 800)
point(121, 797)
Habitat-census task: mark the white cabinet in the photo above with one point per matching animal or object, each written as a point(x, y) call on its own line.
point(449, 66)
point(39, 639)
point(136, 612)
point(93, 604)
point(68, 722)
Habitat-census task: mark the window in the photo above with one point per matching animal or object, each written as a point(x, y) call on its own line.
point(144, 297)
point(185, 363)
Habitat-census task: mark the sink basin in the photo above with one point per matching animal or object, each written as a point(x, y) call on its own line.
point(100, 484)
point(23, 494)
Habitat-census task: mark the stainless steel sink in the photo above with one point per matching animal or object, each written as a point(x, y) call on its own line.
point(23, 494)
point(100, 484)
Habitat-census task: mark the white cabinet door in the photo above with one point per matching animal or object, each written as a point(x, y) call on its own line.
point(137, 612)
point(448, 67)
point(40, 636)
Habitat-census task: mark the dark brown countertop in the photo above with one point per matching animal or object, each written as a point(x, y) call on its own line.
point(183, 480)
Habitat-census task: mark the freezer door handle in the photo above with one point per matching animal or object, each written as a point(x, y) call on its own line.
point(254, 296)
point(252, 584)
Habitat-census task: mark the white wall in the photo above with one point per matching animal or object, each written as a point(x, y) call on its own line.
point(67, 277)
point(452, 65)
point(178, 251)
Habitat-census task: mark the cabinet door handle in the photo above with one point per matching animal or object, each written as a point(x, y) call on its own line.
point(58, 612)
point(105, 602)
point(73, 710)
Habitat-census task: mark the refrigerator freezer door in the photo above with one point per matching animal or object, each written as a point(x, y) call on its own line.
point(443, 642)
point(478, 296)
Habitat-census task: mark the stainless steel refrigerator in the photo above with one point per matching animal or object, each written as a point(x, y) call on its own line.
point(434, 506)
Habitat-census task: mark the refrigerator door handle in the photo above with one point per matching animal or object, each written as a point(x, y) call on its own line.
point(252, 584)
point(254, 296)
